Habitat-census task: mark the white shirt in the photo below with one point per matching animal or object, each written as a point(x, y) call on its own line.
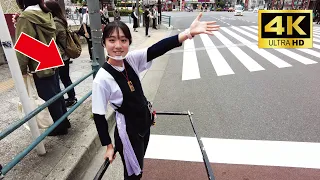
point(86, 19)
point(105, 88)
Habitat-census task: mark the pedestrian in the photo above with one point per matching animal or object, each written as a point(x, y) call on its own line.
point(37, 22)
point(61, 40)
point(118, 83)
point(116, 15)
point(135, 19)
point(87, 31)
point(154, 17)
point(106, 14)
point(147, 16)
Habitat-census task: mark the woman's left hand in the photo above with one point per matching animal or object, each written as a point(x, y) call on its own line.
point(200, 27)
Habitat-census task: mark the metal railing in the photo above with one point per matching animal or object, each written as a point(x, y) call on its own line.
point(5, 169)
point(165, 18)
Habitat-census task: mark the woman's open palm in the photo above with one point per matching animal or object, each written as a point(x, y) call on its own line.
point(200, 27)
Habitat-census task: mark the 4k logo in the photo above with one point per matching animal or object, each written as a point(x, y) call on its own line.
point(285, 29)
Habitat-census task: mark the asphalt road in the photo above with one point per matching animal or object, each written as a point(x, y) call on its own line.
point(257, 111)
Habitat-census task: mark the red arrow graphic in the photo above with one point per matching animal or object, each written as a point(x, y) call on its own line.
point(47, 56)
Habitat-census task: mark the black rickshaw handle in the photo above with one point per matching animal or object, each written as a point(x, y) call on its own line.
point(103, 168)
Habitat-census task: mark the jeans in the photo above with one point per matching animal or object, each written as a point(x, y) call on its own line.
point(64, 74)
point(47, 88)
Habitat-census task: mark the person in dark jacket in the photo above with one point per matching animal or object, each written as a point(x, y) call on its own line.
point(118, 83)
point(147, 16)
point(61, 36)
point(37, 22)
point(135, 19)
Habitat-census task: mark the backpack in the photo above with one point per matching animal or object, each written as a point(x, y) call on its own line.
point(73, 49)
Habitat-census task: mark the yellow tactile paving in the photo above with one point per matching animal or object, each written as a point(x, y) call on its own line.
point(6, 85)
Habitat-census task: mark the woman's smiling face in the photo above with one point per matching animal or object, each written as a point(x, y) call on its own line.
point(117, 44)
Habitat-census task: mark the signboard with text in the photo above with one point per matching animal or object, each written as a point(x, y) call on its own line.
point(285, 29)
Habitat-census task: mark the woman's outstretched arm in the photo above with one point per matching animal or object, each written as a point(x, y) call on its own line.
point(165, 45)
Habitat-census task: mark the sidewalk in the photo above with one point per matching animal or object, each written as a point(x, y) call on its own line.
point(66, 155)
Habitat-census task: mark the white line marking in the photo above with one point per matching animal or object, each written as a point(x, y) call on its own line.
point(178, 29)
point(316, 40)
point(310, 51)
point(316, 46)
point(246, 60)
point(190, 62)
point(219, 63)
point(249, 29)
point(267, 55)
point(286, 52)
point(235, 151)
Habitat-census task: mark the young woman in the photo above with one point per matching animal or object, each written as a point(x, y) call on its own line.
point(118, 82)
point(61, 34)
point(37, 22)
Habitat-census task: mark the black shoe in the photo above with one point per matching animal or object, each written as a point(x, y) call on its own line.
point(70, 103)
point(58, 132)
point(70, 62)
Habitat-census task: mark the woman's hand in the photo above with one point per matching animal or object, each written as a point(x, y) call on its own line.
point(87, 35)
point(200, 27)
point(15, 18)
point(110, 153)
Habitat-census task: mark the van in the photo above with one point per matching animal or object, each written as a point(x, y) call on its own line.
point(238, 10)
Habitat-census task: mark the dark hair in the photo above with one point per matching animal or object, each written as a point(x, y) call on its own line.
point(23, 4)
point(56, 11)
point(114, 26)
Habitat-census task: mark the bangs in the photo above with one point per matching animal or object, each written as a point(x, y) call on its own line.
point(114, 27)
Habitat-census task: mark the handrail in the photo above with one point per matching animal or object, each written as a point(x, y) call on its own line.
point(166, 17)
point(33, 113)
point(20, 156)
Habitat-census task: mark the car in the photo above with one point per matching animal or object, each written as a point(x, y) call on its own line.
point(238, 10)
point(230, 9)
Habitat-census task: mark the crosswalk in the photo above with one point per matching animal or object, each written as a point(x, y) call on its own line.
point(235, 37)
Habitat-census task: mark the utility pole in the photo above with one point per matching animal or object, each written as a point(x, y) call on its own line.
point(96, 33)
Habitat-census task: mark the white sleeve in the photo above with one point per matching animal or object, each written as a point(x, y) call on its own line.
point(100, 98)
point(138, 58)
point(84, 20)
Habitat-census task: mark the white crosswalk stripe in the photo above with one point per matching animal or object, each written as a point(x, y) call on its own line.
point(190, 69)
point(231, 39)
point(219, 63)
point(244, 58)
point(270, 57)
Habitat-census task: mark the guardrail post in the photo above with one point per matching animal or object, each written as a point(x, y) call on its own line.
point(169, 20)
point(18, 79)
point(129, 19)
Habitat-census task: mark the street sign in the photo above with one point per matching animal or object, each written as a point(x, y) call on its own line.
point(285, 29)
